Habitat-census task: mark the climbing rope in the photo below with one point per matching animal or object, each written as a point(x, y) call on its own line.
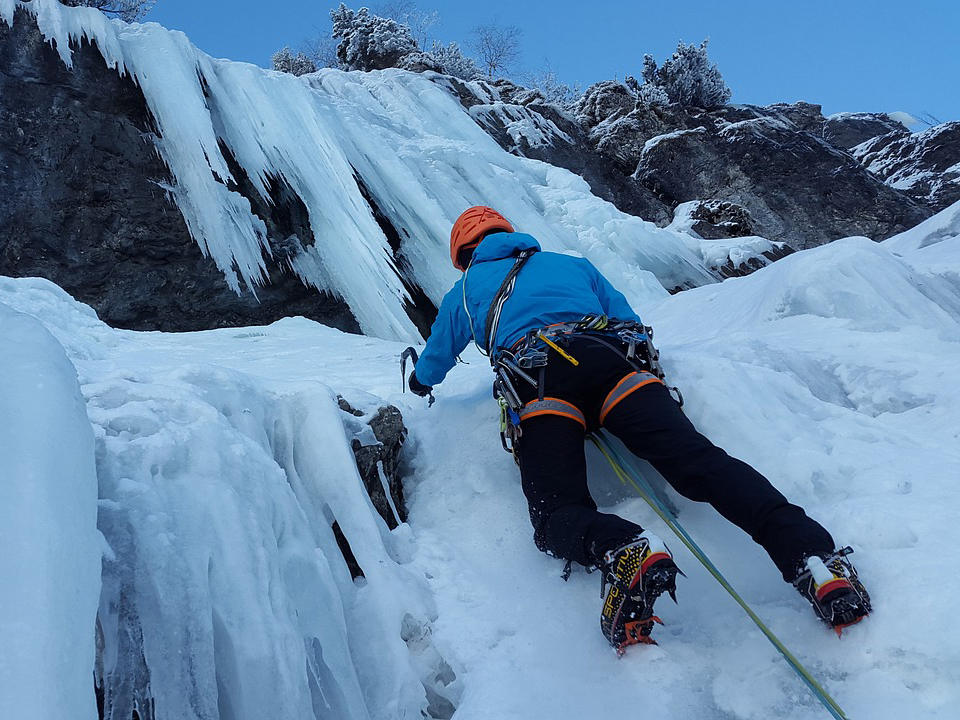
point(629, 475)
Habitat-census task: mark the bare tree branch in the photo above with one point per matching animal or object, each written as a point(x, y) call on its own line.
point(498, 46)
point(928, 119)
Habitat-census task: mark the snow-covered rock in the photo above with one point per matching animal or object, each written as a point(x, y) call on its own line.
point(924, 165)
point(847, 130)
point(797, 188)
point(771, 160)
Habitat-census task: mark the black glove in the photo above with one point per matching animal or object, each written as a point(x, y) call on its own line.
point(417, 387)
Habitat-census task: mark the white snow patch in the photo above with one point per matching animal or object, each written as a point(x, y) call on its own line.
point(666, 137)
point(753, 125)
point(905, 119)
point(945, 225)
point(717, 253)
point(521, 124)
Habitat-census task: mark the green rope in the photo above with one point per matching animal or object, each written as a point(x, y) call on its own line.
point(643, 488)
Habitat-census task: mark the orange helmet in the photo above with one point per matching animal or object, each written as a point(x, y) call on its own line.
point(471, 226)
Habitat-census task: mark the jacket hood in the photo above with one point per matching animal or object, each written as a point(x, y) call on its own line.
point(499, 245)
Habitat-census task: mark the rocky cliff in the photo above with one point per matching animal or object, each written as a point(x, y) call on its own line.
point(782, 169)
point(89, 199)
point(925, 166)
point(84, 202)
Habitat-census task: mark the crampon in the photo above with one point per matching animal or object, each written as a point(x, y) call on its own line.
point(833, 588)
point(634, 576)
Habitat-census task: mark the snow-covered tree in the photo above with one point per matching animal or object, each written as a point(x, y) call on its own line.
point(369, 42)
point(285, 61)
point(688, 78)
point(649, 73)
point(407, 13)
point(129, 10)
point(553, 89)
point(648, 94)
point(452, 61)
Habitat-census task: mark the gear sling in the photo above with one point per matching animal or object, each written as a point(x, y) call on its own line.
point(526, 361)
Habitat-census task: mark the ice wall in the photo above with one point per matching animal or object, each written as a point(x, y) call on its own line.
point(49, 545)
point(422, 158)
point(225, 593)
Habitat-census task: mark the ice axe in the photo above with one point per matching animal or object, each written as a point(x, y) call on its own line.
point(411, 353)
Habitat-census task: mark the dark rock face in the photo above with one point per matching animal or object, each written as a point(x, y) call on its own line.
point(796, 188)
point(383, 455)
point(507, 111)
point(771, 162)
point(926, 166)
point(82, 202)
point(847, 130)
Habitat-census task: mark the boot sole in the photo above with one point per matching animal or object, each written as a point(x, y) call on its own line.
point(636, 613)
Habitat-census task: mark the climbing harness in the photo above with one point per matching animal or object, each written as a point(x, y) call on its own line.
point(526, 362)
point(629, 475)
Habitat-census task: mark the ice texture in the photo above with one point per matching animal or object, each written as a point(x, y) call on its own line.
point(49, 544)
point(222, 459)
point(418, 152)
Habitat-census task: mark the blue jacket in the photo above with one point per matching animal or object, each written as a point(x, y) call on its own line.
point(550, 288)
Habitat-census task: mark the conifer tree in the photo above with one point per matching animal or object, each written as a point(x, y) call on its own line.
point(369, 42)
point(285, 61)
point(688, 78)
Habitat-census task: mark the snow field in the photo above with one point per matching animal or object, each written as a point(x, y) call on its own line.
point(222, 460)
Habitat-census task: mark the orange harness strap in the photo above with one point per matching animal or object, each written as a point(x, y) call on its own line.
point(633, 381)
point(552, 406)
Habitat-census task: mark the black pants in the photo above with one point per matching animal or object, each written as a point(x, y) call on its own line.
point(649, 422)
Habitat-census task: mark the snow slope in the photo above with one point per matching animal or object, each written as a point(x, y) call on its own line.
point(222, 460)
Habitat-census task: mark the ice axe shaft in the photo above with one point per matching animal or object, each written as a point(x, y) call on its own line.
point(411, 353)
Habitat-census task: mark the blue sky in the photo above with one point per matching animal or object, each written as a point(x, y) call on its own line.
point(846, 55)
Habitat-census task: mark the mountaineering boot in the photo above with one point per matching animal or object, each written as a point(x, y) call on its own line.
point(634, 576)
point(831, 585)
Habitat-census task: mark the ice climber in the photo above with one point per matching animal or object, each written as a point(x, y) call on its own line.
point(571, 356)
